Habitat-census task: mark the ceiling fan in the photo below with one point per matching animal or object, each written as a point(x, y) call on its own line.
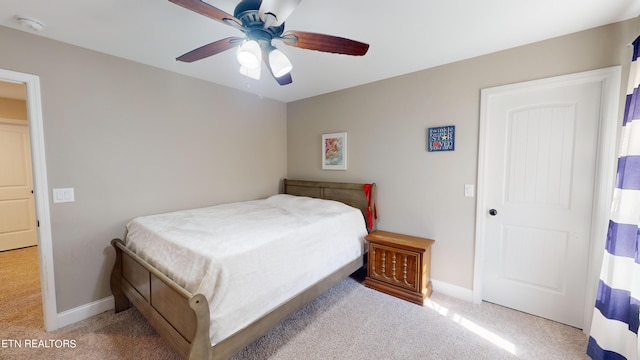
point(262, 21)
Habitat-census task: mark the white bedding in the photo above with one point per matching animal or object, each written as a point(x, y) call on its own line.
point(247, 258)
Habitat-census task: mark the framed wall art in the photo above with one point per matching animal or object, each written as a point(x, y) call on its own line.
point(334, 151)
point(441, 138)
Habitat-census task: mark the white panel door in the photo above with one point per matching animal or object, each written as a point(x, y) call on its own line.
point(540, 159)
point(17, 211)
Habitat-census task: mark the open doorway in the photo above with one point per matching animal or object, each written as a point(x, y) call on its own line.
point(29, 85)
point(20, 292)
point(17, 207)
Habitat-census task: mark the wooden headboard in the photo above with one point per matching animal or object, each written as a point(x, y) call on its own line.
point(352, 194)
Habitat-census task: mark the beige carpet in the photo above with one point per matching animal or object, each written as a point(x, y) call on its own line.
point(349, 321)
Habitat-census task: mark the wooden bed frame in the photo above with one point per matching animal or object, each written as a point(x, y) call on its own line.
point(183, 318)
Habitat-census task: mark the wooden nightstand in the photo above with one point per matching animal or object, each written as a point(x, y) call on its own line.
point(399, 265)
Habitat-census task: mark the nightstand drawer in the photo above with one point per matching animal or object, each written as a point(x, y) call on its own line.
point(394, 266)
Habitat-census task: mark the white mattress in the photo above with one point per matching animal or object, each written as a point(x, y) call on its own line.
point(247, 258)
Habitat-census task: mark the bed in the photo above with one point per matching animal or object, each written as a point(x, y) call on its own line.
point(190, 305)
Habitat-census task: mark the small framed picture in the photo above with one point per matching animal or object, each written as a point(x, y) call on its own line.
point(334, 151)
point(441, 138)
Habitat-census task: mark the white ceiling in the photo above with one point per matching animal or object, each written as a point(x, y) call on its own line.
point(409, 36)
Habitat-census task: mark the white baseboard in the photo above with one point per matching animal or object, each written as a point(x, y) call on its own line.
point(452, 290)
point(85, 311)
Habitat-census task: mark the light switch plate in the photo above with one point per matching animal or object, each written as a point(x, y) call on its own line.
point(469, 190)
point(63, 195)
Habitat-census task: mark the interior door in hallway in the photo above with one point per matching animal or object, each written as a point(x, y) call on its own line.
point(541, 148)
point(17, 209)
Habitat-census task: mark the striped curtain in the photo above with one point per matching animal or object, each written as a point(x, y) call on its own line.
point(614, 328)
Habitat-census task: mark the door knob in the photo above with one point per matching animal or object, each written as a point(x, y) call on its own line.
point(493, 212)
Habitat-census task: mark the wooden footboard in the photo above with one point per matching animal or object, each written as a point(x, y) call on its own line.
point(183, 319)
point(178, 316)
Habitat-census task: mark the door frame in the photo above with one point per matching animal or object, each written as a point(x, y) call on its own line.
point(40, 189)
point(605, 171)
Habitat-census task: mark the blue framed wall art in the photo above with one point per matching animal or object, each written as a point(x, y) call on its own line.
point(441, 138)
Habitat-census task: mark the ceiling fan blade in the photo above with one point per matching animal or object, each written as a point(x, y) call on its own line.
point(325, 43)
point(207, 10)
point(214, 48)
point(280, 9)
point(282, 80)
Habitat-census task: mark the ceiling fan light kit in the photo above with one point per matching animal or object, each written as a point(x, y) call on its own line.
point(280, 9)
point(262, 21)
point(249, 54)
point(280, 64)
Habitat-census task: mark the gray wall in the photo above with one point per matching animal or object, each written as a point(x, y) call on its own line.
point(421, 193)
point(135, 140)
